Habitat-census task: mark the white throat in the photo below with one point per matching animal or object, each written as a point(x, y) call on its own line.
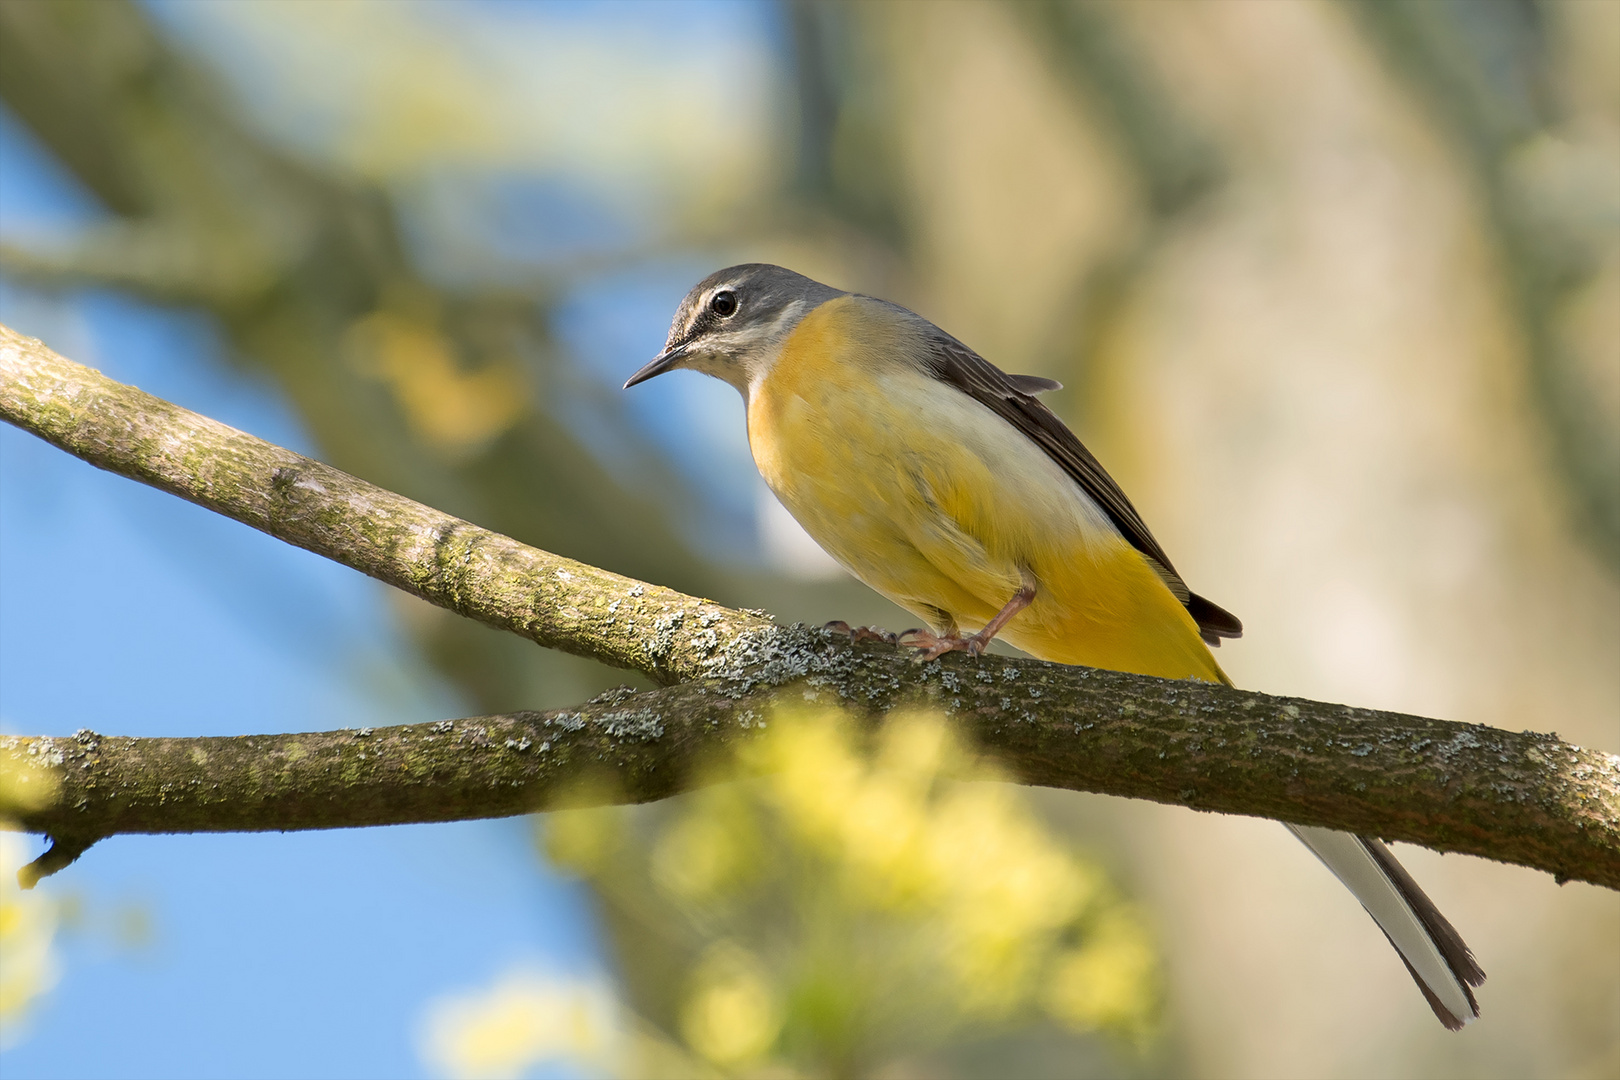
point(745, 356)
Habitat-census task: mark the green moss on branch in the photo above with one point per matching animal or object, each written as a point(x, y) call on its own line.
point(556, 602)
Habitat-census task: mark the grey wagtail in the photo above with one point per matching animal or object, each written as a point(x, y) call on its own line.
point(943, 483)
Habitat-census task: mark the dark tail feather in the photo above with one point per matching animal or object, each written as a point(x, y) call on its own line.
point(1214, 622)
point(1429, 946)
point(1459, 957)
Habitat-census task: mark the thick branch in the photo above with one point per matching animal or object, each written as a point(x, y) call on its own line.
point(1518, 797)
point(615, 748)
point(1525, 797)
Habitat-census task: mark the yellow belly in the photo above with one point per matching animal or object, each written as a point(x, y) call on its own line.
point(945, 508)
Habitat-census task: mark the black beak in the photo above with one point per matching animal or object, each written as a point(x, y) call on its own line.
point(659, 364)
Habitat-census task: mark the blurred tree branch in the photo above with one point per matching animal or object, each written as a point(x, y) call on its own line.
point(1526, 798)
point(1176, 165)
point(1483, 70)
point(444, 393)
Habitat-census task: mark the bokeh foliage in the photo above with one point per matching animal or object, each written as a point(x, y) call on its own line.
point(855, 906)
point(28, 920)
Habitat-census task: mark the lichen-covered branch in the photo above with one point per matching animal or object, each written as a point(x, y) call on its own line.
point(556, 602)
point(1525, 798)
point(615, 748)
point(1517, 797)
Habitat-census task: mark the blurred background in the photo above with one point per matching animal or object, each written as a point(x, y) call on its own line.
point(1334, 290)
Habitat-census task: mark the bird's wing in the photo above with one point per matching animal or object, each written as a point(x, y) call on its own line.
point(1011, 397)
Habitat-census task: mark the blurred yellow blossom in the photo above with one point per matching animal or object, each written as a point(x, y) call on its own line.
point(28, 922)
point(731, 1016)
point(703, 855)
point(1109, 982)
point(522, 1020)
point(583, 841)
point(29, 780)
point(855, 903)
point(455, 408)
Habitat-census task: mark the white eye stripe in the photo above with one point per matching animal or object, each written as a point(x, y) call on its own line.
point(740, 338)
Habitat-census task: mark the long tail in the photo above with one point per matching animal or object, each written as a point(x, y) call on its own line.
point(1431, 948)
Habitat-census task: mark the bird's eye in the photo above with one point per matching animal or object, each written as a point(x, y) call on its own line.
point(724, 303)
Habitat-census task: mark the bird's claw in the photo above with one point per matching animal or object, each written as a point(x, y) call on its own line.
point(932, 646)
point(860, 633)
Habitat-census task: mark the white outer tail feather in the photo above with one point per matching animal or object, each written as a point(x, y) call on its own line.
point(1354, 864)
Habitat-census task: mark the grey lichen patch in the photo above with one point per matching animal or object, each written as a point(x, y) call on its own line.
point(660, 644)
point(1465, 740)
point(771, 656)
point(634, 725)
point(568, 721)
point(46, 751)
point(613, 695)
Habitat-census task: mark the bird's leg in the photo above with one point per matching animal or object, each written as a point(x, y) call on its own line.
point(934, 646)
point(1020, 600)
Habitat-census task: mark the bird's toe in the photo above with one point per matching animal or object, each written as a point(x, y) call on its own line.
point(860, 633)
point(932, 646)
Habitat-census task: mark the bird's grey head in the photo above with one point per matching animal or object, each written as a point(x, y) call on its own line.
point(733, 321)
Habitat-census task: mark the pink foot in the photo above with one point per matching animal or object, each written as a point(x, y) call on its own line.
point(932, 646)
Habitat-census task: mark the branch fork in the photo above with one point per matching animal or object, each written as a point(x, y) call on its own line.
point(1525, 798)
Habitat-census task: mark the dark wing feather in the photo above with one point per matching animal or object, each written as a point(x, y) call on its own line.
point(1011, 397)
point(1033, 384)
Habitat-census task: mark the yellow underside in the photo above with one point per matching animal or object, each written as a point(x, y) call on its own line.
point(943, 507)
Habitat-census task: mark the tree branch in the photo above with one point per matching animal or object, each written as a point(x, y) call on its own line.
point(1525, 798)
point(553, 601)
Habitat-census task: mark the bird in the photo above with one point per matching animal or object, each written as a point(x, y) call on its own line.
point(946, 485)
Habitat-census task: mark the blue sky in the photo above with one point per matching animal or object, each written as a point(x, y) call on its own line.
point(126, 610)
